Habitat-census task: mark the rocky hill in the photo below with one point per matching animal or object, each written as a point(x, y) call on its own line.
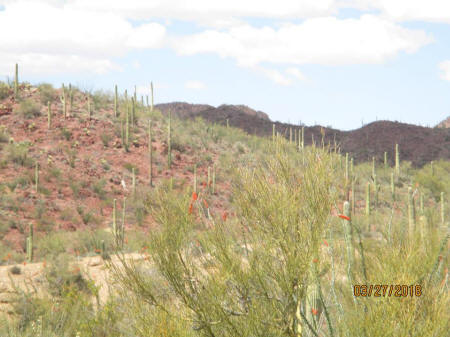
point(417, 144)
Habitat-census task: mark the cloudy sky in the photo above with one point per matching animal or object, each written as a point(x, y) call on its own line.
point(331, 62)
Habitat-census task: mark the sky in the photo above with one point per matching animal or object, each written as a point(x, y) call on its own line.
point(338, 63)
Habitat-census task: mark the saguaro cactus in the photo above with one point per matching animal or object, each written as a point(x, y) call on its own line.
point(313, 304)
point(150, 152)
point(432, 168)
point(122, 236)
point(16, 82)
point(352, 173)
point(30, 244)
point(303, 138)
point(151, 89)
point(49, 115)
point(127, 130)
point(411, 211)
point(169, 142)
point(63, 101)
point(397, 160)
point(114, 223)
point(214, 179)
point(353, 196)
point(385, 160)
point(348, 242)
point(368, 199)
point(442, 209)
point(133, 111)
point(116, 100)
point(273, 133)
point(375, 190)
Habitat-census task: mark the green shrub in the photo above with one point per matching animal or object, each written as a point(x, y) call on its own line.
point(106, 138)
point(46, 93)
point(18, 154)
point(99, 188)
point(5, 90)
point(29, 109)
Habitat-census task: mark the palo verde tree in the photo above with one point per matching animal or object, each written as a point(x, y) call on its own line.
point(250, 277)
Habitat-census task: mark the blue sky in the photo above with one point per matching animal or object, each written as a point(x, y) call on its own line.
point(334, 63)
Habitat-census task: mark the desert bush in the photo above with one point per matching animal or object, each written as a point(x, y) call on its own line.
point(106, 138)
point(18, 154)
point(5, 90)
point(101, 99)
point(99, 188)
point(46, 93)
point(29, 109)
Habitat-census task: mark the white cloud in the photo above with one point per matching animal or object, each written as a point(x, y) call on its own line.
point(209, 12)
point(274, 75)
point(39, 63)
point(328, 40)
point(145, 89)
point(295, 72)
point(444, 67)
point(196, 85)
point(406, 10)
point(66, 40)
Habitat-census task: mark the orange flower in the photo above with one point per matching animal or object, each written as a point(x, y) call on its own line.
point(325, 243)
point(224, 216)
point(315, 260)
point(342, 216)
point(440, 257)
point(206, 204)
point(24, 263)
point(97, 250)
point(190, 208)
point(314, 311)
point(194, 196)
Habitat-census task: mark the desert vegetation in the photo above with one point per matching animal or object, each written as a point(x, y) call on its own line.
point(118, 219)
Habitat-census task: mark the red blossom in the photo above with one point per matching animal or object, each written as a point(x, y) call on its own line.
point(206, 204)
point(224, 216)
point(190, 208)
point(325, 243)
point(314, 311)
point(315, 260)
point(194, 196)
point(342, 216)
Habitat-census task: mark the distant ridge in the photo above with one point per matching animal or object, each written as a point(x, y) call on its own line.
point(417, 144)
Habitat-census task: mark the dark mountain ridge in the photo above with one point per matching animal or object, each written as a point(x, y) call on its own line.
point(417, 144)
